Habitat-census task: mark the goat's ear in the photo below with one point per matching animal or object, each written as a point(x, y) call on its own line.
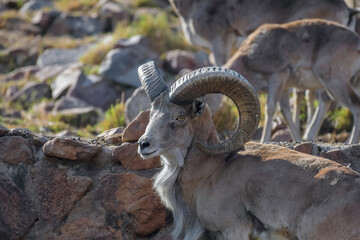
point(197, 107)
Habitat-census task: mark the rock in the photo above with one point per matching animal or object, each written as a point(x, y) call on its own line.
point(130, 159)
point(93, 91)
point(67, 102)
point(139, 101)
point(336, 155)
point(10, 91)
point(308, 148)
point(137, 127)
point(44, 19)
point(57, 192)
point(76, 26)
point(3, 130)
point(30, 93)
point(48, 72)
point(121, 65)
point(202, 59)
point(34, 5)
point(176, 60)
point(20, 73)
point(43, 108)
point(16, 210)
point(85, 228)
point(70, 149)
point(134, 40)
point(133, 194)
point(59, 56)
point(14, 150)
point(79, 117)
point(63, 82)
point(282, 135)
point(111, 136)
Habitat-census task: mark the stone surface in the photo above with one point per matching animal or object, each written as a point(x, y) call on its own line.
point(20, 73)
point(3, 130)
point(34, 5)
point(111, 136)
point(76, 26)
point(94, 91)
point(68, 102)
point(30, 93)
point(70, 149)
point(14, 150)
point(137, 127)
point(112, 12)
point(63, 82)
point(16, 210)
point(51, 71)
point(134, 195)
point(120, 65)
point(308, 148)
point(130, 159)
point(79, 117)
point(282, 135)
point(59, 56)
point(85, 228)
point(44, 19)
point(138, 102)
point(57, 192)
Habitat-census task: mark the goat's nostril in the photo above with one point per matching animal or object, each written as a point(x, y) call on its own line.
point(144, 145)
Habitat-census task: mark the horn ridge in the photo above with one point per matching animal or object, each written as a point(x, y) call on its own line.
point(150, 78)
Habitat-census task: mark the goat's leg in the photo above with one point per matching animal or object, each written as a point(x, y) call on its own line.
point(313, 128)
point(278, 81)
point(286, 112)
point(221, 47)
point(355, 132)
point(310, 96)
point(298, 95)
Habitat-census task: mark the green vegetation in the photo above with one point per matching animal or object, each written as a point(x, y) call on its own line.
point(114, 117)
point(75, 5)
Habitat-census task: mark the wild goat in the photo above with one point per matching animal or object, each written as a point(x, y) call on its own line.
point(264, 190)
point(215, 24)
point(273, 53)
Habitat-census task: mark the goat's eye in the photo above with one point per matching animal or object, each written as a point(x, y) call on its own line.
point(181, 118)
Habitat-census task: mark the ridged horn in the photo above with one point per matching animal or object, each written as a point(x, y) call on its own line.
point(221, 80)
point(151, 80)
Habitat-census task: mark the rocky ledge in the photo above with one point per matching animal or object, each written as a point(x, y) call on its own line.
point(72, 188)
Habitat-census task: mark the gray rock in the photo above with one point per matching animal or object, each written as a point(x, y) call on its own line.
point(21, 73)
point(112, 12)
point(80, 117)
point(94, 91)
point(3, 130)
point(30, 93)
point(63, 81)
point(76, 26)
point(44, 19)
point(137, 103)
point(58, 56)
point(50, 71)
point(120, 65)
point(34, 5)
point(68, 102)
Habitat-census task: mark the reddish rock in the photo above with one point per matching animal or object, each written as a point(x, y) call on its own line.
point(57, 192)
point(133, 194)
point(308, 148)
point(70, 149)
point(86, 228)
point(282, 135)
point(111, 136)
point(14, 150)
point(3, 130)
point(136, 128)
point(130, 159)
point(16, 215)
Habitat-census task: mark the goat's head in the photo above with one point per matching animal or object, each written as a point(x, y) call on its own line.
point(175, 111)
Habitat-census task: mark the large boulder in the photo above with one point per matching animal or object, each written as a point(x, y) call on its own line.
point(68, 102)
point(63, 81)
point(138, 102)
point(120, 65)
point(79, 117)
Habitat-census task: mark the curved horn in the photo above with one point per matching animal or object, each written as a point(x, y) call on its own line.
point(221, 80)
point(151, 80)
